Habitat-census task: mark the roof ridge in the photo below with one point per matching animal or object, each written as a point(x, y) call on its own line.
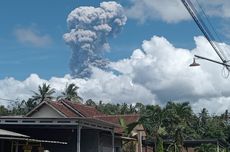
point(67, 105)
point(118, 115)
point(81, 104)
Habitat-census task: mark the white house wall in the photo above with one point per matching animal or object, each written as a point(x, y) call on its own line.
point(46, 112)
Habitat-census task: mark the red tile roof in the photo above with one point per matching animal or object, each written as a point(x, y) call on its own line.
point(86, 111)
point(63, 109)
point(115, 119)
point(73, 109)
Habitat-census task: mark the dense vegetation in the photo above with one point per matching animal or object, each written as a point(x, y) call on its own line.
point(175, 121)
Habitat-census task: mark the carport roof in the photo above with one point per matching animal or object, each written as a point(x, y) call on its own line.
point(6, 133)
point(62, 122)
point(33, 140)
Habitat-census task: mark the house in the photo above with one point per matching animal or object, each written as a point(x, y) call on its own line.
point(82, 127)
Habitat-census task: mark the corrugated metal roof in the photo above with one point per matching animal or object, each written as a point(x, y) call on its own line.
point(11, 134)
point(34, 140)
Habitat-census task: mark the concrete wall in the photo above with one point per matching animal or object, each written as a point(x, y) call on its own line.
point(98, 141)
point(89, 140)
point(106, 143)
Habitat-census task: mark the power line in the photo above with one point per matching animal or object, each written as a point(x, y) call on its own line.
point(11, 100)
point(202, 26)
point(216, 37)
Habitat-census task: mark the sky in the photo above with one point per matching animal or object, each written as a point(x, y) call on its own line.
point(142, 57)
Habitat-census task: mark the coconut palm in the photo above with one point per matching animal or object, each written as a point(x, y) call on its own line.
point(206, 148)
point(70, 93)
point(45, 92)
point(152, 119)
point(178, 117)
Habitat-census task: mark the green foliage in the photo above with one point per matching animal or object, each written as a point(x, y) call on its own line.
point(90, 102)
point(174, 121)
point(206, 148)
point(159, 145)
point(71, 93)
point(29, 104)
point(129, 147)
point(45, 92)
point(119, 109)
point(123, 125)
point(3, 111)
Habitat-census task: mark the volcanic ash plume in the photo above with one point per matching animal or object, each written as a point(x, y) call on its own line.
point(89, 30)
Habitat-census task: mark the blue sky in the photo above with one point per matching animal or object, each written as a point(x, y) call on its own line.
point(150, 55)
point(48, 18)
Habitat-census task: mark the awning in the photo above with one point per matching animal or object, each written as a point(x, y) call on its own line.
point(11, 134)
point(34, 140)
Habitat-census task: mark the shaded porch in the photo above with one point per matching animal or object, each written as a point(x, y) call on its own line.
point(78, 134)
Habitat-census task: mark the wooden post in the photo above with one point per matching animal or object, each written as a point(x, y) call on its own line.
point(139, 141)
point(98, 141)
point(12, 146)
point(79, 138)
point(217, 146)
point(16, 146)
point(113, 150)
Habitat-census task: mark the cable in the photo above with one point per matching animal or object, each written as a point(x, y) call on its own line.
point(11, 100)
point(212, 28)
point(225, 72)
point(202, 26)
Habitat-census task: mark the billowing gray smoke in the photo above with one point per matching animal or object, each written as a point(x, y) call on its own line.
point(89, 30)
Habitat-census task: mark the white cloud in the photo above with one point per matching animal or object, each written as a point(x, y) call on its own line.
point(218, 8)
point(217, 105)
point(168, 10)
point(102, 86)
point(32, 37)
point(155, 73)
point(173, 11)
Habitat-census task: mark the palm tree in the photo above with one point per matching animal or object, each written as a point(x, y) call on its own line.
point(90, 102)
point(206, 148)
point(45, 92)
point(152, 119)
point(70, 93)
point(178, 117)
point(30, 104)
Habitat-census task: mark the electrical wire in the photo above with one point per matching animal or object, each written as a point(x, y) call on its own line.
point(10, 100)
point(216, 37)
point(200, 23)
point(225, 72)
point(206, 31)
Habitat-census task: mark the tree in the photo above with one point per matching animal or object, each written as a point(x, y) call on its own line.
point(3, 111)
point(206, 148)
point(70, 93)
point(17, 108)
point(45, 92)
point(177, 122)
point(128, 128)
point(152, 119)
point(90, 102)
point(139, 107)
point(124, 108)
point(30, 104)
point(203, 117)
